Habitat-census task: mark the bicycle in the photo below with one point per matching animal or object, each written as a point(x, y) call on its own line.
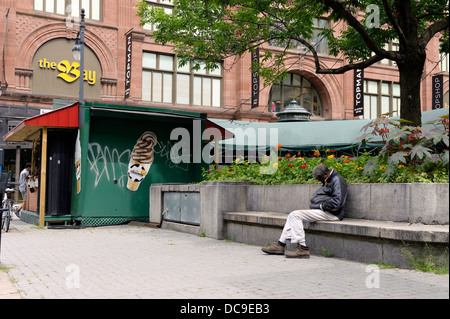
point(7, 208)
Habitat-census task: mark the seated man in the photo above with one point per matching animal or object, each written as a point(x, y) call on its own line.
point(327, 203)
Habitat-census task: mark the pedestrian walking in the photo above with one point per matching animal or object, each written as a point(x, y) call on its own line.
point(23, 178)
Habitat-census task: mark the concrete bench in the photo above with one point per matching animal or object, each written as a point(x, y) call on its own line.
point(355, 239)
point(381, 221)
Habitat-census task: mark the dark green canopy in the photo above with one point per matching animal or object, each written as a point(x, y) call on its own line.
point(301, 136)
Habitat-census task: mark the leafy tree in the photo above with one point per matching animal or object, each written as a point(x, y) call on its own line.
point(213, 30)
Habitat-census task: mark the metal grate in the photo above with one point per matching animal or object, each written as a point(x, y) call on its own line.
point(108, 221)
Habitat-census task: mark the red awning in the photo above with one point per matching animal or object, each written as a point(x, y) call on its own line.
point(217, 131)
point(65, 117)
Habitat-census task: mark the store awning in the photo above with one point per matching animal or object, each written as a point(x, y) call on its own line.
point(67, 117)
point(217, 131)
point(302, 136)
point(28, 130)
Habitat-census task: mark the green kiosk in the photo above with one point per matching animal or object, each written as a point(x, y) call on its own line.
point(94, 164)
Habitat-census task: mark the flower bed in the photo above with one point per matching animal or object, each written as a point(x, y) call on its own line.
point(406, 155)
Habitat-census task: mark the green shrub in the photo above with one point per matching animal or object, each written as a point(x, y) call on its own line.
point(407, 155)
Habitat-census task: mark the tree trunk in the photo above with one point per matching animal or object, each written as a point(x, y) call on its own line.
point(410, 82)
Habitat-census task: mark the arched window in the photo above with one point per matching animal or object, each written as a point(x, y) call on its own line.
point(296, 87)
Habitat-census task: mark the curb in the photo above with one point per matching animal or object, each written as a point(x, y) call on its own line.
point(7, 289)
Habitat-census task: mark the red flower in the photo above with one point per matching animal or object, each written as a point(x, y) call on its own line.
point(304, 166)
point(291, 165)
point(333, 151)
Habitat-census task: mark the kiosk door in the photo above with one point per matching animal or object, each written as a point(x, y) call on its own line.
point(60, 166)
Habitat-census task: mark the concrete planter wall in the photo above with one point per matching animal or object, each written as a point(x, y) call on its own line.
point(413, 203)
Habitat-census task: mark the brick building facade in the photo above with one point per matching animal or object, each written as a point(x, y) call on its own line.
point(39, 34)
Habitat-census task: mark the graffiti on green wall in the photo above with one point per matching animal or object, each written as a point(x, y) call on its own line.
point(108, 163)
point(128, 168)
point(165, 151)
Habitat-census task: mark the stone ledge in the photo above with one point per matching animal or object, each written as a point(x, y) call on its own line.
point(399, 231)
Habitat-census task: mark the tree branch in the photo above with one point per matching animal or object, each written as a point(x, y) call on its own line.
point(345, 68)
point(436, 27)
point(395, 25)
point(353, 22)
point(392, 55)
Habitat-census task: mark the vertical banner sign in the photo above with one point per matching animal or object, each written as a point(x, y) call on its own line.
point(128, 66)
point(438, 92)
point(358, 107)
point(255, 80)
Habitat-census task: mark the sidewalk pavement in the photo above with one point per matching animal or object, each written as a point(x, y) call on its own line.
point(7, 289)
point(132, 262)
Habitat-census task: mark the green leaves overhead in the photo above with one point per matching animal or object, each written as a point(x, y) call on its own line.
point(212, 30)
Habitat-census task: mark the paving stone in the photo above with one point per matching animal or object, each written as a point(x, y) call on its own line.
point(135, 262)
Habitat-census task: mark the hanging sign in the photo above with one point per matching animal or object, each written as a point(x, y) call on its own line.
point(255, 80)
point(128, 65)
point(358, 107)
point(438, 92)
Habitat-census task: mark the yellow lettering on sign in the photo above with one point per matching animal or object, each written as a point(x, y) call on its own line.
point(89, 76)
point(69, 72)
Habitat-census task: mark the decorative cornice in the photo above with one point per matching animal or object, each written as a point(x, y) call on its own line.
point(109, 81)
point(137, 36)
point(24, 72)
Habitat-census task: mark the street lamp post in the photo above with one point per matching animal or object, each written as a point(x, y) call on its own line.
point(78, 54)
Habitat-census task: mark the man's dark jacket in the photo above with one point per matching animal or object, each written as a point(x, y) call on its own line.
point(331, 196)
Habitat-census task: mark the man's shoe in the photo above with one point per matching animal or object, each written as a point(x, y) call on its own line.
point(299, 252)
point(274, 249)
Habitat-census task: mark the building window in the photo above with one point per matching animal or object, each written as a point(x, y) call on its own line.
point(165, 4)
point(164, 82)
point(318, 41)
point(443, 61)
point(381, 97)
point(93, 8)
point(391, 46)
point(295, 87)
